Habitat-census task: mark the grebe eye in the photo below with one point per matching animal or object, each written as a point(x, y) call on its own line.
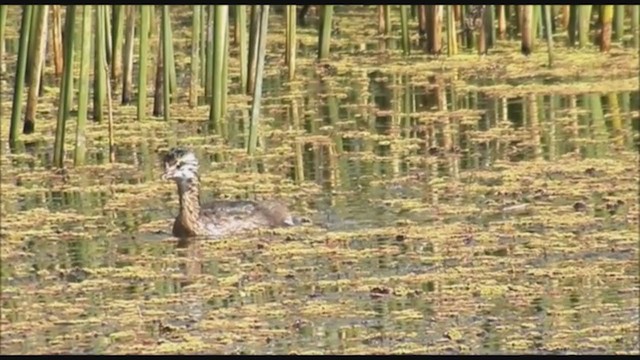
point(178, 166)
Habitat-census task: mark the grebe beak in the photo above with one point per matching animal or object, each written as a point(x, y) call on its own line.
point(166, 176)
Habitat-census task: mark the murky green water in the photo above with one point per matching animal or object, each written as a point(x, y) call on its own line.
point(455, 210)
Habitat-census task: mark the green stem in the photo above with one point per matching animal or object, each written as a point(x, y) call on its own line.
point(166, 59)
point(145, 17)
point(83, 86)
point(127, 60)
point(107, 31)
point(66, 87)
point(195, 57)
point(31, 44)
point(173, 80)
point(100, 85)
point(452, 41)
point(547, 18)
point(241, 26)
point(404, 24)
point(203, 46)
point(3, 20)
point(16, 110)
point(635, 25)
point(584, 19)
point(118, 32)
point(39, 22)
point(210, 51)
point(325, 31)
point(257, 92)
point(225, 68)
point(291, 40)
point(254, 33)
point(489, 25)
point(618, 22)
point(220, 24)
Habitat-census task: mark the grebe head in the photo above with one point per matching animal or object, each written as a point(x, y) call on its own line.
point(180, 165)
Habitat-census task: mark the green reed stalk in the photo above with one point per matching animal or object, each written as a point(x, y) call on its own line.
point(18, 89)
point(381, 20)
point(145, 17)
point(538, 21)
point(117, 35)
point(618, 22)
point(127, 55)
point(203, 46)
point(325, 31)
point(572, 29)
point(584, 19)
point(482, 34)
point(225, 69)
point(112, 149)
point(166, 62)
point(68, 48)
point(66, 87)
point(257, 91)
point(635, 27)
point(489, 25)
point(195, 56)
point(452, 43)
point(209, 50)
point(31, 45)
point(290, 57)
point(39, 22)
point(173, 80)
point(83, 86)
point(108, 40)
point(254, 32)
point(56, 34)
point(220, 35)
point(159, 79)
point(547, 18)
point(241, 31)
point(404, 25)
point(527, 29)
point(3, 19)
point(99, 85)
point(387, 19)
point(605, 34)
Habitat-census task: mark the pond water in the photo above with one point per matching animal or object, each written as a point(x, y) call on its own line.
point(455, 209)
